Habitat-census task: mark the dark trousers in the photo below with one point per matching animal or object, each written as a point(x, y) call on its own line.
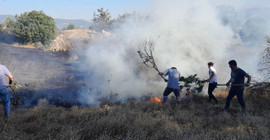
point(239, 92)
point(211, 88)
point(167, 92)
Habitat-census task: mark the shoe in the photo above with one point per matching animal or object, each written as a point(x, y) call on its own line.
point(244, 112)
point(224, 110)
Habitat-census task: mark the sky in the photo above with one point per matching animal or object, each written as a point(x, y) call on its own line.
point(83, 9)
point(71, 9)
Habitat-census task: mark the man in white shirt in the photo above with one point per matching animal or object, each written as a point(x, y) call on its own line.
point(172, 83)
point(212, 82)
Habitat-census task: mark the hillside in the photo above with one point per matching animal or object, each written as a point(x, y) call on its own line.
point(60, 23)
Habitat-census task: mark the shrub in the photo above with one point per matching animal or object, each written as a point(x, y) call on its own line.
point(9, 25)
point(35, 26)
point(70, 27)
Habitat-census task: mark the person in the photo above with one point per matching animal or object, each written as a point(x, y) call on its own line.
point(212, 82)
point(237, 85)
point(4, 92)
point(172, 84)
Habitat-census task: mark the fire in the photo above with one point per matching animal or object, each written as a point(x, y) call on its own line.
point(155, 99)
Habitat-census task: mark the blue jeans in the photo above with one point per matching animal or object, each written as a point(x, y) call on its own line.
point(238, 91)
point(5, 96)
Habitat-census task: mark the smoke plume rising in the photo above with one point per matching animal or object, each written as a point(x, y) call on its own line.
point(188, 34)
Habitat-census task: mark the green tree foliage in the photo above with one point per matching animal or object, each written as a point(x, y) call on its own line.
point(70, 27)
point(1, 28)
point(34, 27)
point(9, 25)
point(102, 20)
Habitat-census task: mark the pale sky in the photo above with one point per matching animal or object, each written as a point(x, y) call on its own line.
point(71, 9)
point(83, 9)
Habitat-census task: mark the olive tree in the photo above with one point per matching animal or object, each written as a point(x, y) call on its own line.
point(35, 26)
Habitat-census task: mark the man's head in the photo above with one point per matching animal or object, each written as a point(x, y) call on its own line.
point(174, 68)
point(210, 64)
point(232, 64)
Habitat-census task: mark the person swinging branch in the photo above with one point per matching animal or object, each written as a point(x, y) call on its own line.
point(172, 83)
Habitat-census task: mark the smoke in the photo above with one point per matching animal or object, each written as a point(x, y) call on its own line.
point(188, 34)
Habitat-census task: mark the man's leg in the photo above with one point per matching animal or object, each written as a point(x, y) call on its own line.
point(229, 98)
point(177, 95)
point(211, 88)
point(5, 95)
point(240, 97)
point(166, 92)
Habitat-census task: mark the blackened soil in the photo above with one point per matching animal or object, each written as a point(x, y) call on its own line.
point(43, 74)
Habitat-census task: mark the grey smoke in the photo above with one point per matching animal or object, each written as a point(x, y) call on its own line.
point(188, 34)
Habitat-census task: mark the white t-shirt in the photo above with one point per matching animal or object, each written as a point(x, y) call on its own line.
point(214, 78)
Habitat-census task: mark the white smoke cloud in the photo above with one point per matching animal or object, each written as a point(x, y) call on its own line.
point(188, 34)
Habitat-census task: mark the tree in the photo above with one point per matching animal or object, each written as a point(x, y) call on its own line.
point(1, 28)
point(9, 25)
point(264, 64)
point(70, 27)
point(102, 20)
point(34, 27)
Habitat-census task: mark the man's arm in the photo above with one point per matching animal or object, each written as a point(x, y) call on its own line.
point(10, 76)
point(228, 83)
point(211, 76)
point(249, 79)
point(160, 73)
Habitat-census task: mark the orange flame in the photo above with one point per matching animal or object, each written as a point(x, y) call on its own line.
point(155, 99)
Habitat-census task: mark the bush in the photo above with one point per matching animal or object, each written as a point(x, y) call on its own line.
point(70, 27)
point(9, 25)
point(35, 26)
point(1, 28)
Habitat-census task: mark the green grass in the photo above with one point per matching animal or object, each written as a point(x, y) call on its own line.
point(194, 118)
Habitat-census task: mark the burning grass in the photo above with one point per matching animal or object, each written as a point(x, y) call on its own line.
point(194, 118)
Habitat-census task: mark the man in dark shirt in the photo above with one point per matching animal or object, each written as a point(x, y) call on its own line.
point(237, 85)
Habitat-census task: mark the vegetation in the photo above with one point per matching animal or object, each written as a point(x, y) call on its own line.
point(1, 28)
point(264, 63)
point(70, 27)
point(101, 21)
point(194, 118)
point(34, 27)
point(9, 25)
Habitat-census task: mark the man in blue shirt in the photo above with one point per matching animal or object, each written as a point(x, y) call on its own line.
point(172, 83)
point(4, 93)
point(237, 85)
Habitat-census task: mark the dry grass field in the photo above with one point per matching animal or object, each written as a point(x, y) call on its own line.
point(194, 118)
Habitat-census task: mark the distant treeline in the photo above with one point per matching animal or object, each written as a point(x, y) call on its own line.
point(38, 28)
